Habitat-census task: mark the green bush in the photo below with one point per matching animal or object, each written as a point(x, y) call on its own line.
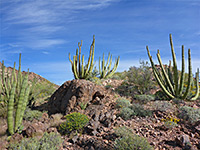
point(119, 75)
point(141, 78)
point(29, 114)
point(129, 141)
point(40, 90)
point(74, 122)
point(189, 114)
point(123, 131)
point(126, 113)
point(162, 106)
point(144, 98)
point(125, 89)
point(51, 141)
point(134, 110)
point(140, 111)
point(122, 102)
point(96, 80)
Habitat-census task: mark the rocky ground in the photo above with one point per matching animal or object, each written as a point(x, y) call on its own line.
point(100, 106)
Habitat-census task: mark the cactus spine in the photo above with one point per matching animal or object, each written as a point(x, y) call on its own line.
point(80, 70)
point(15, 92)
point(105, 69)
point(170, 83)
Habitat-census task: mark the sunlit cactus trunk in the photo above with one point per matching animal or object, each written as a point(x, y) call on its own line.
point(16, 92)
point(170, 82)
point(105, 69)
point(80, 70)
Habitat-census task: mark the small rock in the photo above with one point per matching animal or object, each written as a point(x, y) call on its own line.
point(183, 140)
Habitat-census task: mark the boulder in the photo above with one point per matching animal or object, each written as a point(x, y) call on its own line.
point(70, 95)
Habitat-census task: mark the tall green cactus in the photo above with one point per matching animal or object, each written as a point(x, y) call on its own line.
point(80, 70)
point(16, 92)
point(105, 69)
point(169, 79)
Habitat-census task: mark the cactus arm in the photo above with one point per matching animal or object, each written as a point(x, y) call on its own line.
point(89, 58)
point(175, 70)
point(155, 72)
point(165, 74)
point(8, 81)
point(108, 60)
point(25, 102)
point(82, 67)
point(161, 85)
point(21, 101)
point(4, 86)
point(92, 59)
point(100, 72)
point(153, 66)
point(79, 58)
point(189, 76)
point(10, 119)
point(170, 73)
point(103, 67)
point(114, 68)
point(109, 67)
point(182, 72)
point(197, 86)
point(75, 69)
point(12, 75)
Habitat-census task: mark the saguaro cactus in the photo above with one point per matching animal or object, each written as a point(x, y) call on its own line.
point(169, 79)
point(105, 69)
point(80, 70)
point(16, 92)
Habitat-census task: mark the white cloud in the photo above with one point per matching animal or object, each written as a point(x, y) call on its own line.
point(34, 21)
point(44, 43)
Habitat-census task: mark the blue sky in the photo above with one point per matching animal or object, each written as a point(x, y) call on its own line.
point(46, 31)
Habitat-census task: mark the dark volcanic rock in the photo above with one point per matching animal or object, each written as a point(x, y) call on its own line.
point(71, 94)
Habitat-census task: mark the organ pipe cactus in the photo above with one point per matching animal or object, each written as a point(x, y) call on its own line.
point(16, 91)
point(169, 79)
point(105, 69)
point(80, 70)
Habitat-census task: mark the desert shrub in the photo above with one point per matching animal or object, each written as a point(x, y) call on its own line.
point(108, 86)
point(40, 90)
point(140, 111)
point(123, 131)
point(170, 122)
point(129, 141)
point(162, 106)
point(189, 114)
point(134, 110)
point(125, 89)
point(95, 80)
point(51, 141)
point(141, 78)
point(160, 95)
point(119, 75)
point(74, 122)
point(144, 98)
point(29, 114)
point(122, 102)
point(126, 113)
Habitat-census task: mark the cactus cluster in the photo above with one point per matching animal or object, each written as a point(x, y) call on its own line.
point(82, 71)
point(15, 91)
point(169, 79)
point(105, 69)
